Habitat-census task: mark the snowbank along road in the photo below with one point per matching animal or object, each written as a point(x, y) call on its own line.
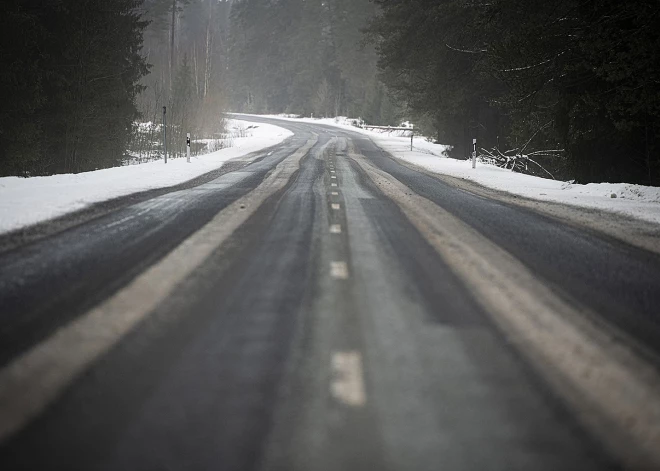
point(328, 307)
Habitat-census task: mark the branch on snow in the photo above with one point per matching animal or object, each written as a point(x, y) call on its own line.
point(533, 66)
point(466, 51)
point(515, 160)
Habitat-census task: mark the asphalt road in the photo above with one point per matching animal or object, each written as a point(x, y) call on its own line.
point(298, 314)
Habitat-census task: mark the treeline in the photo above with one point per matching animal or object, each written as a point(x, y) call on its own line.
point(564, 86)
point(305, 57)
point(571, 85)
point(83, 82)
point(186, 46)
point(69, 78)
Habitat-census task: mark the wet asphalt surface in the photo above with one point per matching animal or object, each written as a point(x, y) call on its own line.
point(234, 369)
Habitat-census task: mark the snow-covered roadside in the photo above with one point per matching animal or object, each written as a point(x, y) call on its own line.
point(642, 202)
point(26, 201)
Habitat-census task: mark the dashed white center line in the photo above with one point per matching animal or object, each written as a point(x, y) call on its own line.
point(339, 270)
point(335, 229)
point(334, 184)
point(335, 193)
point(336, 206)
point(348, 382)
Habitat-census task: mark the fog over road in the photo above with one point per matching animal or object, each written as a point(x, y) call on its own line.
point(324, 306)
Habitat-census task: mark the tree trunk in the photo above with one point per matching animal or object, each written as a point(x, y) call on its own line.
point(172, 43)
point(207, 68)
point(195, 69)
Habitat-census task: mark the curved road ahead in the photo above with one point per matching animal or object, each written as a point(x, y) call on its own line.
point(324, 306)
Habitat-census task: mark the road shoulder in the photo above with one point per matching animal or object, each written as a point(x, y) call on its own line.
point(47, 228)
point(612, 389)
point(636, 232)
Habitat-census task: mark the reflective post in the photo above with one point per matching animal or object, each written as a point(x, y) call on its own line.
point(165, 132)
point(412, 134)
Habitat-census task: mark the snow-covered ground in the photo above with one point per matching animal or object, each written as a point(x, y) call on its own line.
point(26, 201)
point(642, 202)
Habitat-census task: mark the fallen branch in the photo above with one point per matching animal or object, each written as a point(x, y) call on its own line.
point(516, 160)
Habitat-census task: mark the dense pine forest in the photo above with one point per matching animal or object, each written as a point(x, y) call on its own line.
point(561, 88)
point(575, 84)
point(69, 79)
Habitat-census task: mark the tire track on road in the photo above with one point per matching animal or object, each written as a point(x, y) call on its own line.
point(34, 379)
point(614, 391)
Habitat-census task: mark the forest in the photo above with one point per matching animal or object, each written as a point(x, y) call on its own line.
point(570, 85)
point(566, 89)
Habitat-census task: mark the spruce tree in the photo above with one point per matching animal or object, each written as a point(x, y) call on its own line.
point(85, 62)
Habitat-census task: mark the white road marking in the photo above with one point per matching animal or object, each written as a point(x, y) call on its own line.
point(335, 193)
point(335, 229)
point(333, 184)
point(39, 375)
point(339, 270)
point(332, 171)
point(608, 382)
point(336, 206)
point(347, 384)
point(120, 221)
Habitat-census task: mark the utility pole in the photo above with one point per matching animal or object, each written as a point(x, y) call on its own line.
point(165, 132)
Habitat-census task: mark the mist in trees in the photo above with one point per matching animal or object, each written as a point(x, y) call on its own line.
point(305, 57)
point(84, 82)
point(564, 85)
point(186, 46)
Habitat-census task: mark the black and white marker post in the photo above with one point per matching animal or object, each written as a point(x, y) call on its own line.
point(165, 132)
point(188, 147)
point(474, 153)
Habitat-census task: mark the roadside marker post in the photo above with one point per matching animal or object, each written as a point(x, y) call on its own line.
point(188, 147)
point(165, 132)
point(412, 134)
point(474, 153)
